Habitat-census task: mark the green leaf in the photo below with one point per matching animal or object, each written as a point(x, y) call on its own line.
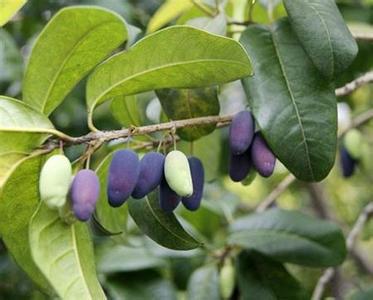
point(64, 254)
point(260, 277)
point(161, 227)
point(167, 12)
point(112, 219)
point(190, 103)
point(290, 236)
point(8, 8)
point(363, 294)
point(10, 58)
point(160, 60)
point(75, 40)
point(22, 129)
point(118, 258)
point(323, 33)
point(217, 24)
point(293, 105)
point(204, 284)
point(126, 111)
point(19, 199)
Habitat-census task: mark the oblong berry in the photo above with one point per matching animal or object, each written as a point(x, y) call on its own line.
point(177, 173)
point(262, 157)
point(348, 163)
point(124, 172)
point(239, 166)
point(168, 199)
point(151, 174)
point(84, 192)
point(198, 178)
point(241, 132)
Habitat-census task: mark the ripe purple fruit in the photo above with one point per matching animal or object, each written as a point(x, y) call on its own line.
point(151, 173)
point(198, 177)
point(84, 192)
point(241, 132)
point(123, 175)
point(168, 199)
point(239, 166)
point(348, 163)
point(262, 157)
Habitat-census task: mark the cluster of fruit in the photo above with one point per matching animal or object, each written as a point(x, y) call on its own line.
point(180, 179)
point(248, 149)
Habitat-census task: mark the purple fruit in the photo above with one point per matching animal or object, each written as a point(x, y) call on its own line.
point(198, 177)
point(123, 175)
point(348, 163)
point(84, 192)
point(151, 173)
point(262, 157)
point(239, 166)
point(241, 132)
point(168, 199)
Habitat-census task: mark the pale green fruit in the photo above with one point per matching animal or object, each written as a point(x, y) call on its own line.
point(55, 179)
point(177, 173)
point(353, 141)
point(227, 279)
point(249, 178)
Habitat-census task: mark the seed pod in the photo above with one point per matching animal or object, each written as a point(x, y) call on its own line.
point(353, 141)
point(168, 199)
point(84, 192)
point(55, 179)
point(239, 166)
point(348, 163)
point(198, 177)
point(241, 132)
point(123, 175)
point(177, 173)
point(151, 173)
point(262, 157)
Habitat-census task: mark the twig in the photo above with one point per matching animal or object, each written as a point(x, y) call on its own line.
point(364, 216)
point(203, 8)
point(355, 84)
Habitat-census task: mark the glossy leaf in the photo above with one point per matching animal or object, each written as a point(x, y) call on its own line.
point(260, 277)
point(126, 111)
point(75, 40)
point(22, 129)
point(112, 219)
point(190, 103)
point(204, 284)
point(10, 58)
point(290, 236)
point(323, 33)
point(293, 105)
point(64, 254)
point(161, 227)
point(19, 199)
point(8, 8)
point(160, 61)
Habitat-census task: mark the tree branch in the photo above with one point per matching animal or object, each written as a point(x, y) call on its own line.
point(355, 84)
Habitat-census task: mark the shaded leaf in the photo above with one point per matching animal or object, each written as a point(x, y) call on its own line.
point(10, 58)
point(64, 254)
point(161, 227)
point(126, 111)
point(293, 105)
point(8, 8)
point(290, 236)
point(181, 104)
point(204, 284)
point(75, 40)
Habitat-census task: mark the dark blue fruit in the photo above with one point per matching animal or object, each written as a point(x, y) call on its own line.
point(348, 163)
point(241, 132)
point(123, 175)
point(168, 199)
point(262, 157)
point(198, 177)
point(239, 166)
point(151, 173)
point(84, 192)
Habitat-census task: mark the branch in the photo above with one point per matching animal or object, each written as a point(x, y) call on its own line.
point(364, 216)
point(355, 84)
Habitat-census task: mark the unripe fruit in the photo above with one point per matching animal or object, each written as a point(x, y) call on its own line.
point(249, 178)
point(55, 179)
point(151, 173)
point(168, 199)
point(348, 163)
point(198, 178)
point(241, 132)
point(177, 173)
point(84, 192)
point(123, 175)
point(227, 279)
point(262, 157)
point(239, 166)
point(353, 141)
